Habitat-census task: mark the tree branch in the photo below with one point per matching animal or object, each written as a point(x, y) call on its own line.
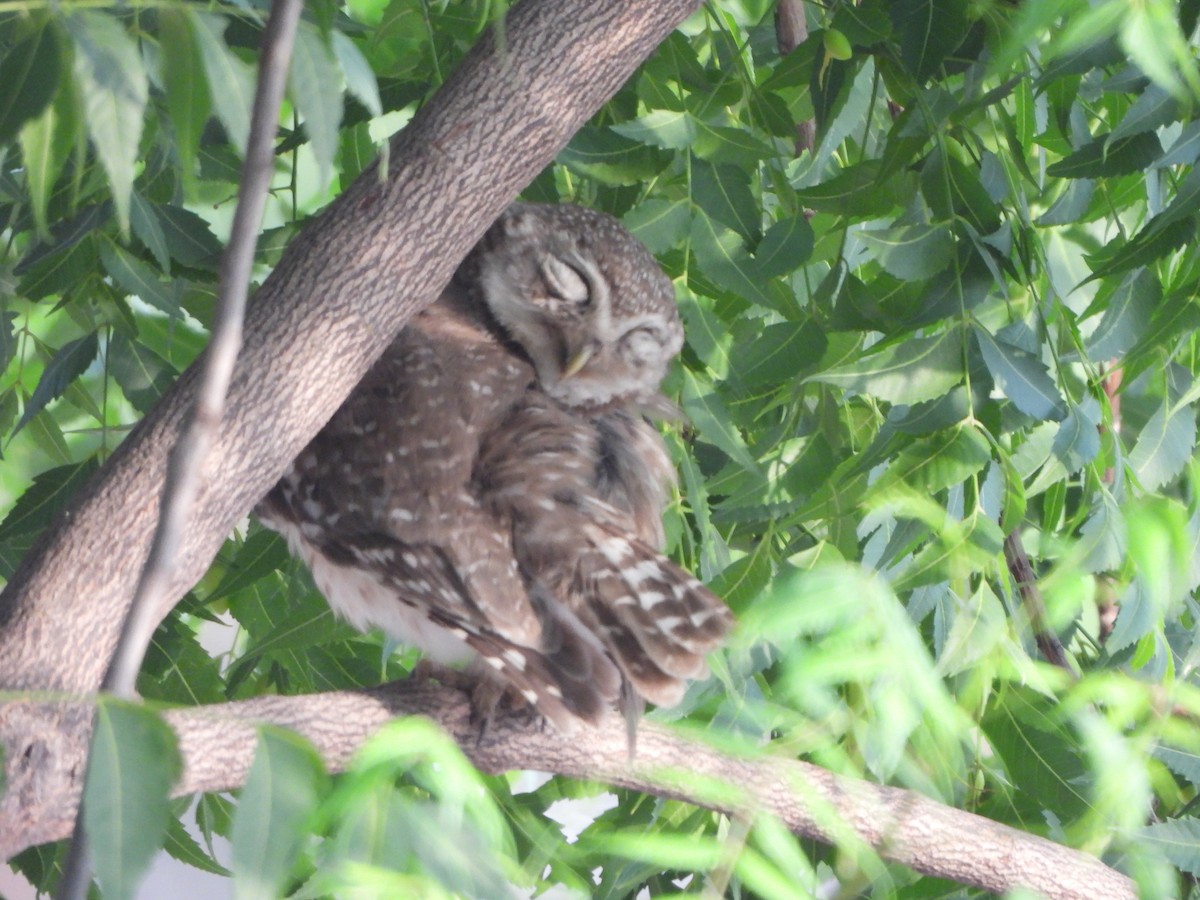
point(218, 742)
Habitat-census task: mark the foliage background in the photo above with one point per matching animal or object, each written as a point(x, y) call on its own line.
point(965, 312)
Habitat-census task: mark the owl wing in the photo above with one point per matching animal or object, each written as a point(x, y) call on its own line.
point(574, 488)
point(380, 506)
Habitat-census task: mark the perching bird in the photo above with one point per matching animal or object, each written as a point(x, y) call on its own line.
point(491, 492)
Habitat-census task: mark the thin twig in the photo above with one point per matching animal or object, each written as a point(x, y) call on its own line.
point(185, 470)
point(791, 29)
point(1021, 571)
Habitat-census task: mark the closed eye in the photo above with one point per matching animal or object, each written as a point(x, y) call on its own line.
point(564, 281)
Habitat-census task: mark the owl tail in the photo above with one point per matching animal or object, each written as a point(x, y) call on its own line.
point(656, 619)
point(568, 677)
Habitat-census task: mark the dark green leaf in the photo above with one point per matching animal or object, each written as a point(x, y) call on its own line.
point(712, 420)
point(1022, 377)
point(134, 764)
point(29, 71)
point(185, 83)
point(928, 31)
point(907, 372)
point(138, 279)
point(148, 230)
point(1077, 442)
point(786, 246)
point(142, 374)
point(951, 189)
point(609, 158)
point(1104, 157)
point(230, 80)
point(45, 497)
point(68, 363)
point(723, 192)
point(779, 354)
point(910, 252)
point(855, 191)
point(188, 237)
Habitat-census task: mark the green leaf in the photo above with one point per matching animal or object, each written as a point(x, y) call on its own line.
point(660, 224)
point(1125, 320)
point(1178, 840)
point(138, 279)
point(951, 189)
point(928, 31)
point(706, 411)
point(1164, 446)
point(271, 821)
point(911, 252)
point(183, 847)
point(46, 496)
point(908, 371)
point(134, 764)
point(142, 374)
point(46, 142)
point(112, 83)
point(778, 354)
point(723, 192)
point(1105, 157)
point(360, 79)
point(315, 85)
point(663, 128)
point(148, 230)
point(721, 255)
point(230, 80)
point(68, 362)
point(785, 247)
point(184, 80)
point(29, 71)
point(609, 158)
point(1077, 442)
point(858, 191)
point(1022, 377)
point(938, 461)
point(188, 237)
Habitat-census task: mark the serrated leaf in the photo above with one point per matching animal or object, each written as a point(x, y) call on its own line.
point(29, 71)
point(1164, 446)
point(668, 129)
point(45, 144)
point(1077, 442)
point(785, 247)
point(611, 159)
point(938, 461)
point(1105, 157)
point(138, 279)
point(183, 847)
point(230, 80)
point(68, 363)
point(1071, 205)
point(148, 230)
point(928, 30)
point(1178, 840)
point(315, 85)
point(186, 87)
point(721, 255)
point(188, 237)
point(723, 192)
point(261, 553)
point(113, 85)
point(142, 374)
point(951, 189)
point(1022, 377)
point(857, 191)
point(906, 372)
point(779, 353)
point(271, 821)
point(659, 224)
point(708, 414)
point(360, 79)
point(133, 766)
point(45, 497)
point(911, 252)
point(1125, 320)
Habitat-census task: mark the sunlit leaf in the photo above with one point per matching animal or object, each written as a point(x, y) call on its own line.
point(907, 372)
point(315, 85)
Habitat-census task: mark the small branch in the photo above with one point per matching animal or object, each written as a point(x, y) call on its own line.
point(186, 466)
point(1022, 574)
point(791, 28)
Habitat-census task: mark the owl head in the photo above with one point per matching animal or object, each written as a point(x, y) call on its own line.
point(583, 298)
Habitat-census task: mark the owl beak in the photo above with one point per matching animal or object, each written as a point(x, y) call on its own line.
point(579, 360)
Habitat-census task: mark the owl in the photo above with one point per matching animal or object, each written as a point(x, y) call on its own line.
point(492, 491)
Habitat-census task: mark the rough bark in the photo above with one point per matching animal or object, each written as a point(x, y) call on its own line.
point(344, 287)
point(217, 744)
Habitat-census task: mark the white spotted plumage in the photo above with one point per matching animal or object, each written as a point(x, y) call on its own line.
point(491, 490)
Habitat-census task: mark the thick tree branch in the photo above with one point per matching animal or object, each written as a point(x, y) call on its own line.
point(345, 286)
point(218, 743)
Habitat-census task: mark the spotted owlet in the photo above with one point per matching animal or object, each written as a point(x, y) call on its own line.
point(491, 492)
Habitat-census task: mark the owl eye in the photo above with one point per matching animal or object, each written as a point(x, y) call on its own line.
point(565, 281)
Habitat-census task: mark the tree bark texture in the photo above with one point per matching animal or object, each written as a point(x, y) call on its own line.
point(344, 287)
point(217, 745)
